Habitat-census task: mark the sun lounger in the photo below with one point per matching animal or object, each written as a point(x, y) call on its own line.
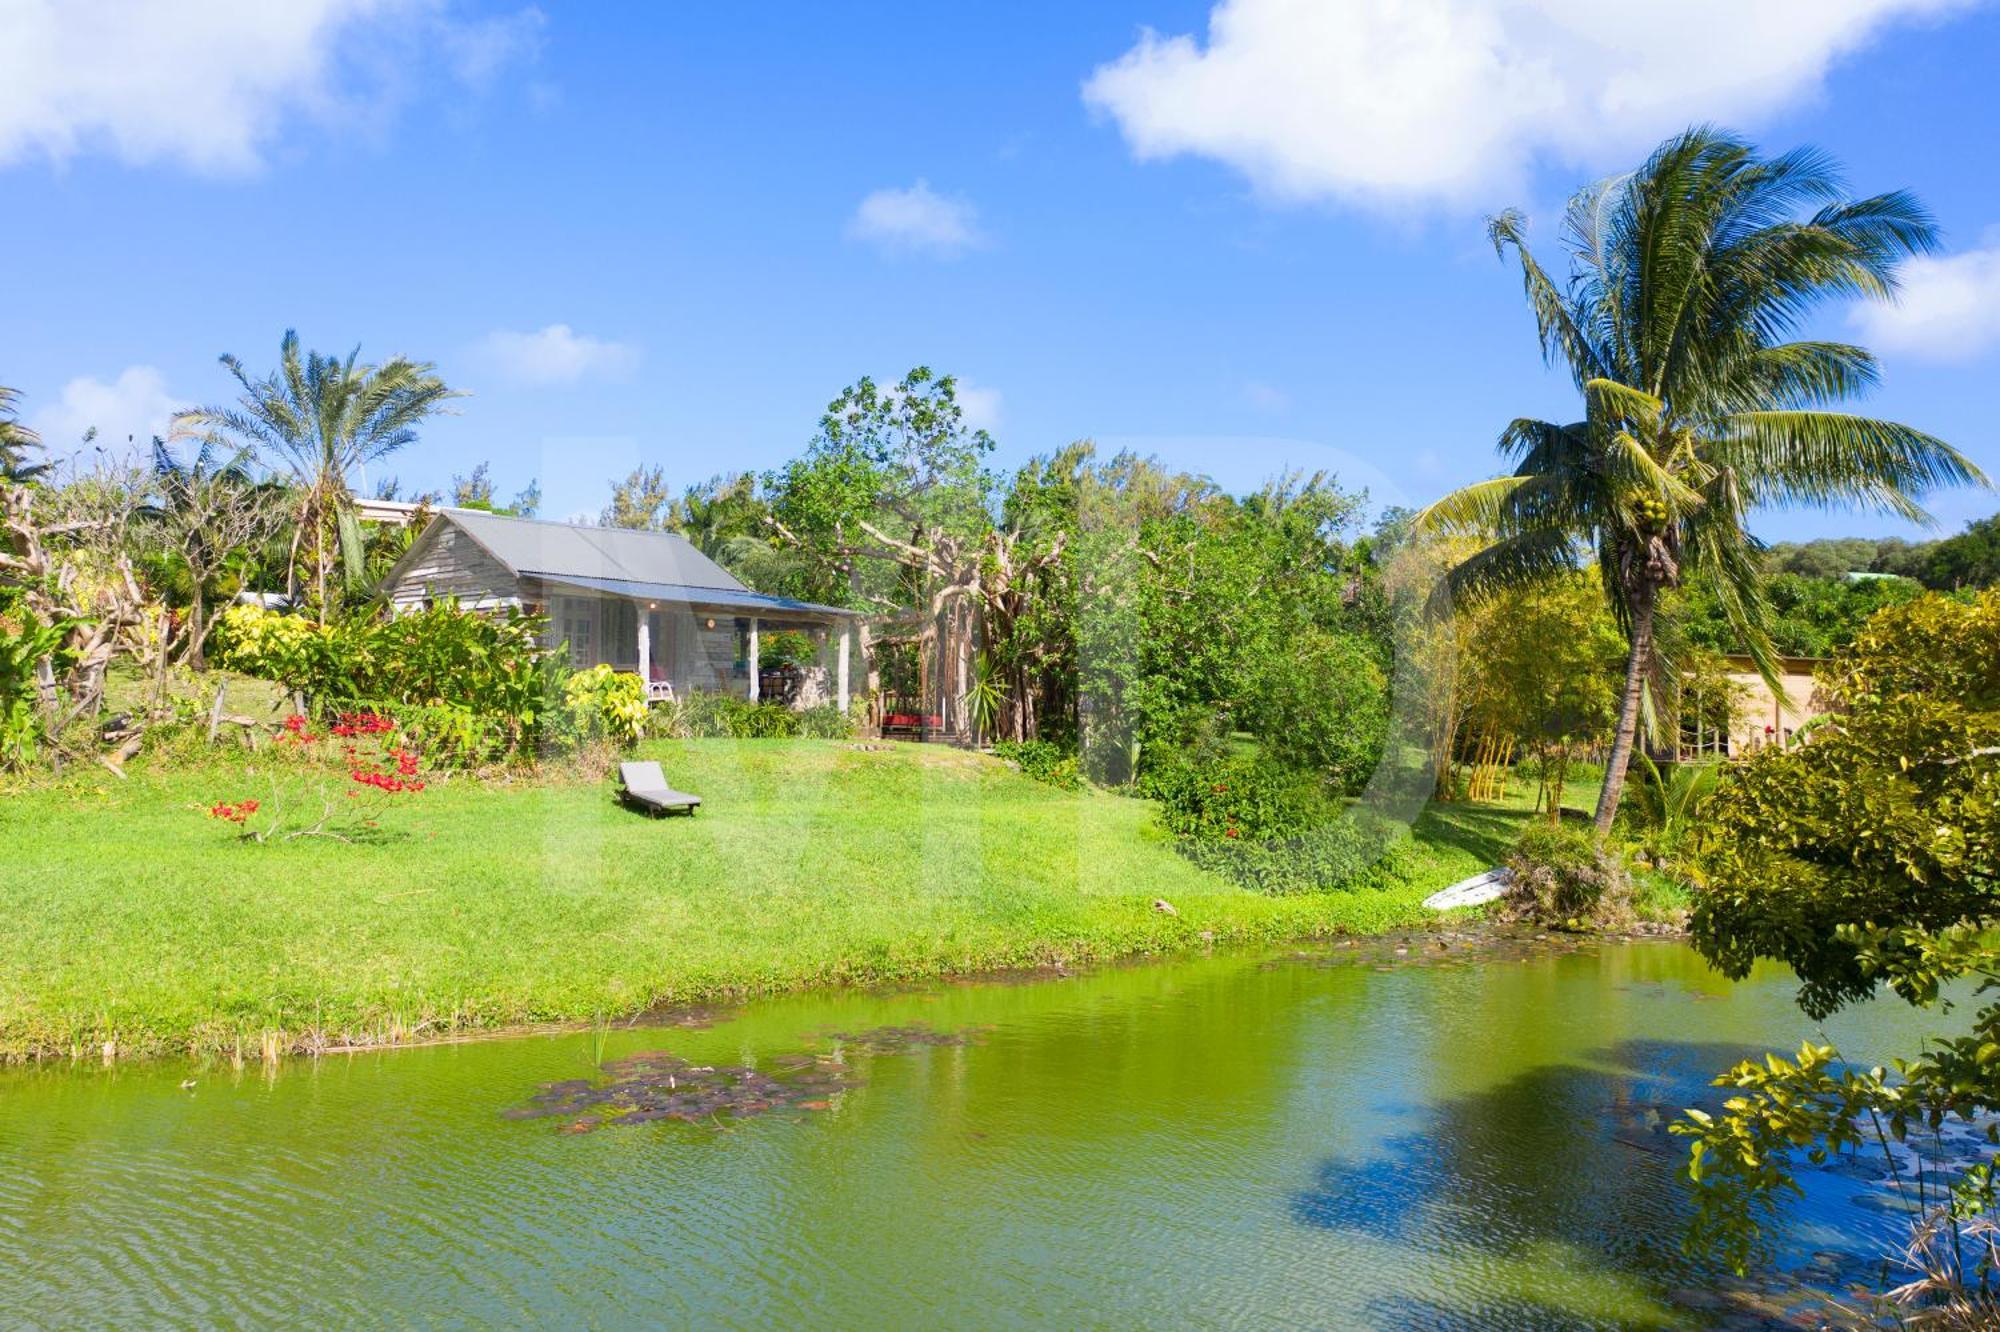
point(642, 786)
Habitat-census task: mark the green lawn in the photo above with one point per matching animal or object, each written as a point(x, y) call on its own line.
point(127, 915)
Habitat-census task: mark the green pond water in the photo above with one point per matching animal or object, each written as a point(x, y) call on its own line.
point(1239, 1140)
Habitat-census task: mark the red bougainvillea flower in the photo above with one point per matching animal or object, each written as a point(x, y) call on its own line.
point(232, 813)
point(383, 781)
point(1229, 832)
point(363, 723)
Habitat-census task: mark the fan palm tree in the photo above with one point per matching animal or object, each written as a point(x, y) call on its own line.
point(320, 419)
point(15, 441)
point(1687, 281)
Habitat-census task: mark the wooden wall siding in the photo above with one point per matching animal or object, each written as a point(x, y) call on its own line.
point(453, 565)
point(715, 656)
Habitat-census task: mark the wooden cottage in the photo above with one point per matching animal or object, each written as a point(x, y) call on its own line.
point(645, 602)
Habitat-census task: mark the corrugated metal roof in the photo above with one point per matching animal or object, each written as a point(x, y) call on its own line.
point(528, 546)
point(739, 598)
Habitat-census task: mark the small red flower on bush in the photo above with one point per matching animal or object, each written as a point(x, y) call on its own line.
point(298, 729)
point(363, 723)
point(235, 813)
point(1230, 832)
point(404, 778)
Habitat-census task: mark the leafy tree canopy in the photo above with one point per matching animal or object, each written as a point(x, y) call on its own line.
point(1868, 856)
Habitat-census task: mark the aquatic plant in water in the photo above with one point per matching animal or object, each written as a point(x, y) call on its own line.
point(657, 1085)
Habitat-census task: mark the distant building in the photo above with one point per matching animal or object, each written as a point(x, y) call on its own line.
point(1761, 717)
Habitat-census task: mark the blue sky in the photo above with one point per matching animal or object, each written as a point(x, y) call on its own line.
point(670, 233)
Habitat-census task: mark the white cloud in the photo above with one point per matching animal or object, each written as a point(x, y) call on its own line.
point(917, 219)
point(557, 354)
point(135, 406)
point(209, 84)
point(1394, 102)
point(1948, 308)
point(980, 405)
point(481, 49)
point(1266, 397)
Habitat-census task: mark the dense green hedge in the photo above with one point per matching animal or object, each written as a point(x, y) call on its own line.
point(724, 716)
point(1266, 826)
point(1044, 761)
point(1344, 853)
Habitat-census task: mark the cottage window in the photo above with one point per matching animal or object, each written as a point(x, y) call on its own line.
point(621, 632)
point(576, 627)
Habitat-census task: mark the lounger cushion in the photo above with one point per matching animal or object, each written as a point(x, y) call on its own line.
point(645, 784)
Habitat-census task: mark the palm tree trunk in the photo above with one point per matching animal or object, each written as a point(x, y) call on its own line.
point(1636, 666)
point(319, 558)
point(292, 560)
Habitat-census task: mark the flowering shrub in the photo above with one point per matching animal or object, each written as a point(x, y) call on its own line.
point(379, 771)
point(402, 778)
point(361, 723)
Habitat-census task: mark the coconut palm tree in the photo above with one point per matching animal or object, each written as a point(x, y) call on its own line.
point(15, 441)
point(321, 419)
point(1686, 282)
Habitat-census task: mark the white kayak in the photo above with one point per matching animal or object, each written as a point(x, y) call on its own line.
point(1478, 889)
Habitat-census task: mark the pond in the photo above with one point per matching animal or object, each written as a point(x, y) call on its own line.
point(1303, 1138)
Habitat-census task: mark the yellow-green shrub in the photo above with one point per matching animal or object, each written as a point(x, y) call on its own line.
point(606, 703)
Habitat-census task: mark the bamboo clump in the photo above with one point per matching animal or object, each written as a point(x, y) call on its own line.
point(1491, 758)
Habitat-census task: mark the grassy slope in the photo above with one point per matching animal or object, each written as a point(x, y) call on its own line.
point(127, 915)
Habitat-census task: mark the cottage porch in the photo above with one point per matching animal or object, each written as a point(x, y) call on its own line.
point(679, 641)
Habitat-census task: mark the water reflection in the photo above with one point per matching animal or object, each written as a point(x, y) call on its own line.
point(1569, 1159)
point(1216, 1140)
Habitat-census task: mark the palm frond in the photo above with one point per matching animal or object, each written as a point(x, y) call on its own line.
point(1562, 330)
point(1821, 458)
point(1470, 510)
point(1610, 400)
point(1516, 561)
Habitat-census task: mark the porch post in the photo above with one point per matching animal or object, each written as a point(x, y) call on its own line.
point(840, 672)
point(645, 648)
point(753, 659)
